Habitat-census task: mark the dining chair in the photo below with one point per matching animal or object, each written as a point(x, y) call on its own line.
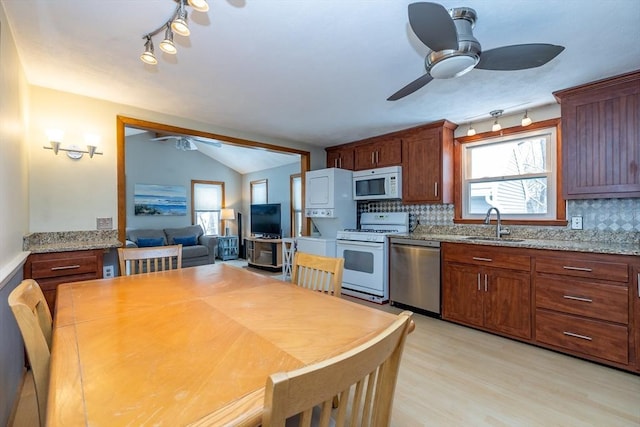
point(147, 260)
point(32, 314)
point(288, 250)
point(364, 378)
point(319, 273)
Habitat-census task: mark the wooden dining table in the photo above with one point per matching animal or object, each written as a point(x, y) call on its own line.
point(189, 347)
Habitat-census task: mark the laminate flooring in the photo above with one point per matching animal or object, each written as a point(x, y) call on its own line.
point(456, 376)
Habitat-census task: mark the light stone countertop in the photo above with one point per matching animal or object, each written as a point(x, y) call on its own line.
point(66, 241)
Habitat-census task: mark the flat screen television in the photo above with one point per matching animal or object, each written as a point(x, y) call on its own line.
point(266, 220)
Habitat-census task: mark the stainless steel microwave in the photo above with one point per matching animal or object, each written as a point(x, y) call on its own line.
point(377, 184)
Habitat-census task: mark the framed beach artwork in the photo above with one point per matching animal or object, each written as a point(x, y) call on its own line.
point(153, 200)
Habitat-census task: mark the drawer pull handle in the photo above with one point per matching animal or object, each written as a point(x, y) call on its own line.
point(588, 270)
point(582, 337)
point(65, 267)
point(577, 298)
point(477, 258)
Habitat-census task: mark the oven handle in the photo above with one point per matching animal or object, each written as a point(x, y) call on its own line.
point(359, 243)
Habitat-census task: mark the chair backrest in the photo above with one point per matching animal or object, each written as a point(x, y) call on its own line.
point(317, 272)
point(288, 250)
point(147, 260)
point(364, 378)
point(34, 320)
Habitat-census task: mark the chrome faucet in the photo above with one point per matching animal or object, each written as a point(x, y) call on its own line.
point(499, 230)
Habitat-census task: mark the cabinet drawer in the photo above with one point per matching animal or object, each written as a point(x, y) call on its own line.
point(487, 256)
point(600, 301)
point(584, 267)
point(41, 269)
point(583, 336)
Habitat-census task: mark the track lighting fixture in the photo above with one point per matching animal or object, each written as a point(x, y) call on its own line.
point(526, 120)
point(148, 57)
point(495, 114)
point(178, 24)
point(471, 131)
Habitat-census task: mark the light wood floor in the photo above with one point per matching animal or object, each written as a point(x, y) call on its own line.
point(456, 376)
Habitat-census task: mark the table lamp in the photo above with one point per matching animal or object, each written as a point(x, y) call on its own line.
point(226, 215)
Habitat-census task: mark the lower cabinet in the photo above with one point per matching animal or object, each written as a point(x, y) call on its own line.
point(635, 295)
point(477, 294)
point(52, 269)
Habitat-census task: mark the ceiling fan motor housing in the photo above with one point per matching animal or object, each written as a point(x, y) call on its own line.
point(449, 63)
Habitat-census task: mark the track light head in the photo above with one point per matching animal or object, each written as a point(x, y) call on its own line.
point(199, 5)
point(526, 120)
point(471, 131)
point(179, 24)
point(496, 126)
point(148, 57)
point(167, 44)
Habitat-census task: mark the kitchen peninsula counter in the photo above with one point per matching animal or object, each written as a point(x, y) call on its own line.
point(67, 241)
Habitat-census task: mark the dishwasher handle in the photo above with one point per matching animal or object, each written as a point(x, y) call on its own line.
point(421, 243)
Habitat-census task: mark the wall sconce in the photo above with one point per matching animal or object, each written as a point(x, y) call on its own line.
point(74, 152)
point(496, 126)
point(526, 120)
point(227, 215)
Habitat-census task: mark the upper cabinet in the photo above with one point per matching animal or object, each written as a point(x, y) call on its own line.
point(425, 154)
point(601, 138)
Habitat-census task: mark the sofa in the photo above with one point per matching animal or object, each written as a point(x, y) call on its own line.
point(197, 249)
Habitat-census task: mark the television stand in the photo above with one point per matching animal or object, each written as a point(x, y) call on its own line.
point(264, 253)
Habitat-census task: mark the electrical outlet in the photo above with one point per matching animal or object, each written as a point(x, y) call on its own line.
point(104, 223)
point(107, 271)
point(576, 223)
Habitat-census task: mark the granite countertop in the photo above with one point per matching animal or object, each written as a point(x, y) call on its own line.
point(604, 243)
point(65, 241)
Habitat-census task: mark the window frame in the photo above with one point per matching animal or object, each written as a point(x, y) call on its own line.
point(294, 223)
point(194, 221)
point(459, 174)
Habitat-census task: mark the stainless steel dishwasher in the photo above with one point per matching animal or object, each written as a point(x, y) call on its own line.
point(414, 274)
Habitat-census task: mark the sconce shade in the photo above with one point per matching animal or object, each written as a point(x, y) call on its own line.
point(55, 146)
point(227, 214)
point(199, 5)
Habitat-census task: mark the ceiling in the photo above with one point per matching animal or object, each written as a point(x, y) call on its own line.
point(315, 71)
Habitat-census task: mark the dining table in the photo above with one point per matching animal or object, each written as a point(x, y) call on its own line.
point(191, 346)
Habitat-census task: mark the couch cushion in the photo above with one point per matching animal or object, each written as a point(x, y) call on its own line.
point(192, 230)
point(144, 242)
point(194, 251)
point(186, 240)
point(156, 233)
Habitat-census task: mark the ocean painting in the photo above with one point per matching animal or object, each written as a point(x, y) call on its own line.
point(151, 200)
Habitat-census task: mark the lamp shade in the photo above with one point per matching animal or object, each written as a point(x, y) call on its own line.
point(227, 214)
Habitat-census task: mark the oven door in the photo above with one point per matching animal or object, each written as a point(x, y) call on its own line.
point(364, 266)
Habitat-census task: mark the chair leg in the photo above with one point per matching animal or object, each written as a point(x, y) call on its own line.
point(336, 401)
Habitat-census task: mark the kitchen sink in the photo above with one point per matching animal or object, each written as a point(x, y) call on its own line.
point(494, 239)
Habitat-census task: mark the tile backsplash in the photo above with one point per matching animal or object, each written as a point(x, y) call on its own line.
point(615, 215)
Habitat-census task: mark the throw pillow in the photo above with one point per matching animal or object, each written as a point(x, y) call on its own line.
point(186, 240)
point(145, 242)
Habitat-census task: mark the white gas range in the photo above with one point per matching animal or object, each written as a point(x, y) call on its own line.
point(366, 254)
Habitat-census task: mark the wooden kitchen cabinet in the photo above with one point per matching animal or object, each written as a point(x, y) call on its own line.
point(342, 158)
point(54, 268)
point(488, 288)
point(582, 305)
point(600, 134)
point(427, 164)
point(635, 314)
point(384, 151)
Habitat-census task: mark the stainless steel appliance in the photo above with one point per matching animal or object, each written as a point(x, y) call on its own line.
point(366, 254)
point(414, 277)
point(376, 184)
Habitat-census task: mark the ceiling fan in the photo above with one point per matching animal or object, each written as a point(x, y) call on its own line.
point(454, 51)
point(186, 143)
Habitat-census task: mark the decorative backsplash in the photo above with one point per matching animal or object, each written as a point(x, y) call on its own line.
point(610, 215)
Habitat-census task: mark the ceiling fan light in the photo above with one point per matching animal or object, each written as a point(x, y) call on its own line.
point(526, 120)
point(167, 45)
point(452, 66)
point(199, 5)
point(148, 57)
point(179, 25)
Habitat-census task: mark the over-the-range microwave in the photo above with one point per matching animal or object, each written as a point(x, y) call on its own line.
point(377, 184)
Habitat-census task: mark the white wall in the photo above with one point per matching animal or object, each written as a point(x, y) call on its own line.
point(152, 162)
point(14, 210)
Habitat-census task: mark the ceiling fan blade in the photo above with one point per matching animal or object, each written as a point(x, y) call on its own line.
point(518, 56)
point(433, 25)
point(164, 138)
point(212, 142)
point(411, 87)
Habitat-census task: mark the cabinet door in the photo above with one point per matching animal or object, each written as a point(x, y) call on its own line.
point(462, 294)
point(422, 169)
point(340, 158)
point(507, 302)
point(635, 304)
point(388, 153)
point(600, 134)
point(364, 157)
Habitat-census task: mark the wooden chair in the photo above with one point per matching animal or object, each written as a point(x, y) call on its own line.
point(147, 260)
point(319, 273)
point(364, 378)
point(34, 320)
